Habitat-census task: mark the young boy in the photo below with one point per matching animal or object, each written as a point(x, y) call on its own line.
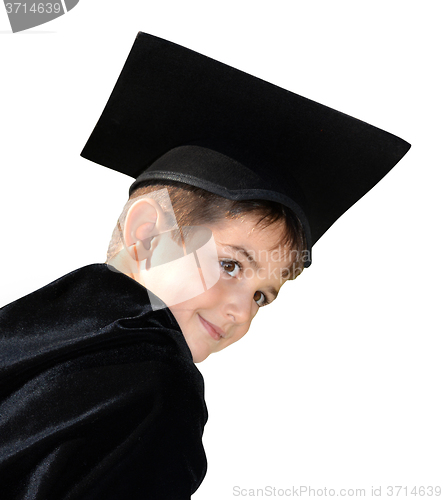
point(100, 394)
point(236, 180)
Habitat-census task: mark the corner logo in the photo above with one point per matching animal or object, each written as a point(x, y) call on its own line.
point(28, 14)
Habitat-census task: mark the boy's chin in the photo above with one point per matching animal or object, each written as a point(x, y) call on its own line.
point(199, 356)
point(199, 352)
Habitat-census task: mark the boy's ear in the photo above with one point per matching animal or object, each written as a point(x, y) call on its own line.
point(141, 225)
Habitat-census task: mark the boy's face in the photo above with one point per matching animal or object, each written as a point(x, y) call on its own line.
point(250, 277)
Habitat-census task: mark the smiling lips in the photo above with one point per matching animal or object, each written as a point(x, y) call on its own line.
point(215, 332)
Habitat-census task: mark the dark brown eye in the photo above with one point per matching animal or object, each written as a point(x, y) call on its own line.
point(260, 298)
point(230, 267)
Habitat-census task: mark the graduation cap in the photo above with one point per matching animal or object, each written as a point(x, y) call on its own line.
point(175, 114)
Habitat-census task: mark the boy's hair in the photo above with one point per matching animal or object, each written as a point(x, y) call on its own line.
point(194, 206)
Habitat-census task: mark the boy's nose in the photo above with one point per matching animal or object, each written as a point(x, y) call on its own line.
point(238, 308)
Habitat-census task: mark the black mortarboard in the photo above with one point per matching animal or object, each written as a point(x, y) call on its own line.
point(178, 115)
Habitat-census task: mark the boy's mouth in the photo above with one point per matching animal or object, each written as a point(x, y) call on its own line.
point(214, 331)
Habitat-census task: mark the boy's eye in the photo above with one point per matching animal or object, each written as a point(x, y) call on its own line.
point(230, 267)
point(260, 298)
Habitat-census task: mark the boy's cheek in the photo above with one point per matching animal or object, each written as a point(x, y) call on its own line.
point(176, 282)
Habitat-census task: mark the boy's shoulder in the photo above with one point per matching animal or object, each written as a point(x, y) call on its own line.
point(93, 291)
point(86, 310)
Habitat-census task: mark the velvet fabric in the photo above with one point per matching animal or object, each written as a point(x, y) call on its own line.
point(99, 396)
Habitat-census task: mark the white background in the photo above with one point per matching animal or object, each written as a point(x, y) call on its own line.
point(338, 383)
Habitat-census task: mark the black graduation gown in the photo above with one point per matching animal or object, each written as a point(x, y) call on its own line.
point(99, 396)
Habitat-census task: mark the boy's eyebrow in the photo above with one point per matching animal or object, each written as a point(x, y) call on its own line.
point(243, 251)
